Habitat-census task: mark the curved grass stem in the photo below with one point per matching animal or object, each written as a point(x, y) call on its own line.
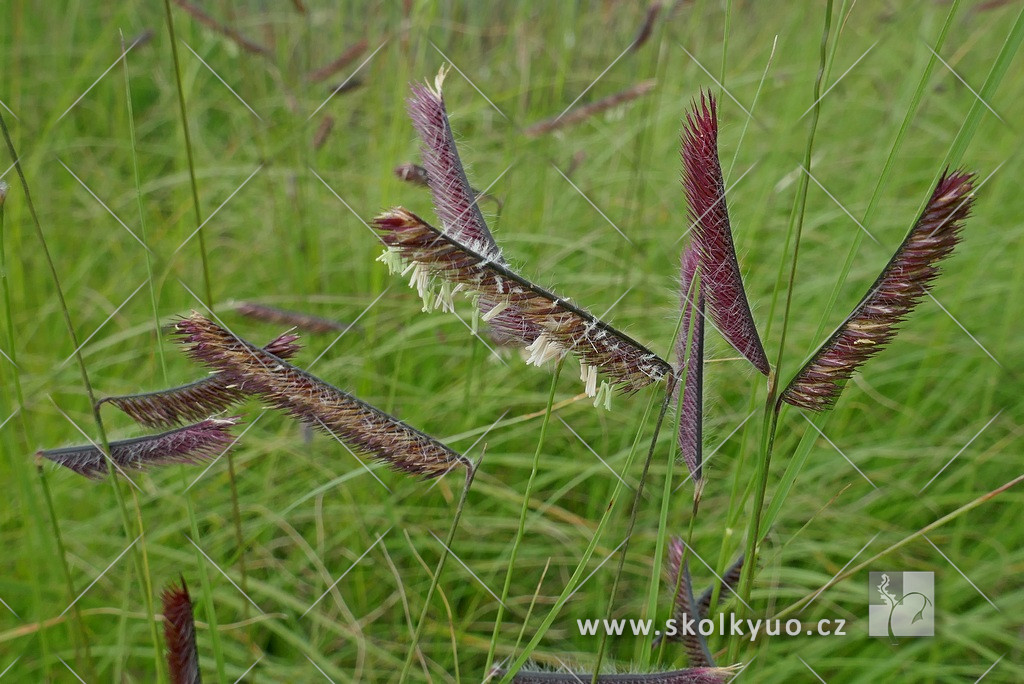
point(521, 529)
point(770, 421)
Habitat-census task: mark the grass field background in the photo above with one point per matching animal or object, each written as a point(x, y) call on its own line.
point(293, 235)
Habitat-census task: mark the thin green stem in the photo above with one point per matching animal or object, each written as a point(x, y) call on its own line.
point(634, 510)
point(104, 441)
point(470, 476)
point(577, 576)
point(770, 421)
point(521, 529)
point(236, 513)
point(150, 609)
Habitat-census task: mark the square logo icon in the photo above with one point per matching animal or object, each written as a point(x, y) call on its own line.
point(901, 604)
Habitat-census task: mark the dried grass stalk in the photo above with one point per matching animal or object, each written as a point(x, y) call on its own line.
point(196, 400)
point(228, 32)
point(309, 399)
point(904, 281)
point(293, 319)
point(719, 269)
point(584, 112)
point(343, 60)
point(566, 328)
point(647, 28)
point(189, 444)
point(180, 635)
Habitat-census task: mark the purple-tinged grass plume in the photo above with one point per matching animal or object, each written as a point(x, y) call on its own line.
point(228, 32)
point(454, 200)
point(415, 174)
point(719, 269)
point(584, 112)
point(904, 281)
point(309, 399)
point(566, 328)
point(180, 635)
point(196, 400)
point(691, 675)
point(294, 319)
point(343, 60)
point(690, 355)
point(189, 444)
point(684, 607)
point(730, 579)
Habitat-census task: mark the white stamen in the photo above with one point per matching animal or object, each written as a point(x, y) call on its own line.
point(588, 374)
point(542, 350)
point(498, 308)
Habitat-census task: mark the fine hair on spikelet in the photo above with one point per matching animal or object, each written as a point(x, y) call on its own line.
point(719, 269)
point(189, 444)
point(195, 400)
point(309, 399)
point(902, 284)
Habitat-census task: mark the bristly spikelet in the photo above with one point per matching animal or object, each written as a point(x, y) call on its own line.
point(691, 405)
point(180, 635)
point(314, 402)
point(454, 200)
point(684, 607)
point(565, 327)
point(196, 400)
point(904, 281)
point(720, 271)
point(729, 581)
point(189, 444)
point(295, 319)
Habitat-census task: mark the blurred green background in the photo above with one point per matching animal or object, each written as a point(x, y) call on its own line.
point(286, 227)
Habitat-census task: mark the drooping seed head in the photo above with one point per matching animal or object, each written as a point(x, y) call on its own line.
point(309, 399)
point(565, 327)
point(189, 444)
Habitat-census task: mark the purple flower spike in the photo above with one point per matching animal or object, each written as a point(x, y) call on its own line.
point(692, 404)
point(720, 271)
point(904, 281)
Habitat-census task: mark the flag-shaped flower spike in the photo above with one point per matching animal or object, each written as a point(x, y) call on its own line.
point(565, 327)
point(904, 281)
point(196, 400)
point(690, 354)
point(309, 399)
point(720, 272)
point(189, 444)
